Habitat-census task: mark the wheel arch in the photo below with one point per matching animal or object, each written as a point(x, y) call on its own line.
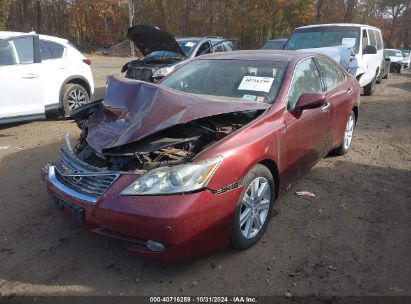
point(76, 79)
point(355, 110)
point(272, 166)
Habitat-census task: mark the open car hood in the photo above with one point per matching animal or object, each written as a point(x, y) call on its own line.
point(149, 39)
point(134, 109)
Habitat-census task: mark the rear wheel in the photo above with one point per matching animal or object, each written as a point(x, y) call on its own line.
point(74, 96)
point(348, 133)
point(254, 208)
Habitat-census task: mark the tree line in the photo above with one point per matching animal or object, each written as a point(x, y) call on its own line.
point(92, 24)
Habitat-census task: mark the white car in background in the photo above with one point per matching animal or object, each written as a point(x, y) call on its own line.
point(41, 76)
point(397, 60)
point(406, 54)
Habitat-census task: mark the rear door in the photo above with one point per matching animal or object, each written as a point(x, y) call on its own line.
point(338, 94)
point(20, 79)
point(306, 135)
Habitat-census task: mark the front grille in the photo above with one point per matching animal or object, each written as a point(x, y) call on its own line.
point(81, 177)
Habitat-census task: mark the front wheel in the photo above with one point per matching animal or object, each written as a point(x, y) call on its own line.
point(369, 88)
point(349, 130)
point(74, 97)
point(254, 208)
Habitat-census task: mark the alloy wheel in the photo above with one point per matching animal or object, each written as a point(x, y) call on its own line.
point(76, 98)
point(254, 207)
point(349, 129)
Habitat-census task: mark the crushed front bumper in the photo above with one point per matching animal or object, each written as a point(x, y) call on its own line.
point(166, 228)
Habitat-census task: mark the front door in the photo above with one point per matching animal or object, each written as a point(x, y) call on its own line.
point(306, 134)
point(20, 79)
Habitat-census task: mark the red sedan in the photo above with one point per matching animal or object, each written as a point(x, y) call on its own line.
point(185, 167)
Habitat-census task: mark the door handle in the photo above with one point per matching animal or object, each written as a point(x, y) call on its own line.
point(30, 76)
point(349, 90)
point(325, 107)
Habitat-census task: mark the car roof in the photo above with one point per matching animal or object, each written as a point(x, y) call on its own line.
point(337, 24)
point(5, 35)
point(274, 55)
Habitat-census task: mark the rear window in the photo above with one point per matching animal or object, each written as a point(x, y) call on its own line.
point(51, 50)
point(57, 50)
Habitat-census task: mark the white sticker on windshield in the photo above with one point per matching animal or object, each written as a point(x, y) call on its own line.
point(190, 44)
point(348, 42)
point(254, 83)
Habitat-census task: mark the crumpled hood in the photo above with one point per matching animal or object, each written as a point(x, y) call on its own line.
point(149, 39)
point(132, 110)
point(341, 54)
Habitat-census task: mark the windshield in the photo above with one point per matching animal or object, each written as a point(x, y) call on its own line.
point(394, 53)
point(324, 36)
point(274, 45)
point(230, 80)
point(187, 45)
point(158, 55)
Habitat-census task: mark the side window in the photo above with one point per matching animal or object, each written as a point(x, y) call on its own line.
point(379, 40)
point(57, 50)
point(218, 48)
point(45, 51)
point(305, 80)
point(25, 49)
point(331, 75)
point(6, 53)
point(373, 40)
point(364, 40)
point(206, 45)
point(227, 46)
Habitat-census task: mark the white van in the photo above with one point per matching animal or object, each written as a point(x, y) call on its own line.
point(359, 47)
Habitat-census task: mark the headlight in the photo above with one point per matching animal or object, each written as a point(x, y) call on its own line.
point(163, 72)
point(176, 179)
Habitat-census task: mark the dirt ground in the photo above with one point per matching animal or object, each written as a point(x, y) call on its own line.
point(353, 238)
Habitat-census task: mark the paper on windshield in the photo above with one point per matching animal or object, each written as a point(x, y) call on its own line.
point(255, 83)
point(190, 44)
point(348, 41)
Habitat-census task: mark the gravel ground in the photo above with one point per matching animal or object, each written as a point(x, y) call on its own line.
point(353, 238)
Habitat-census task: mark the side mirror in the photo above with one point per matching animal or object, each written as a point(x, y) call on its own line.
point(309, 101)
point(387, 59)
point(370, 49)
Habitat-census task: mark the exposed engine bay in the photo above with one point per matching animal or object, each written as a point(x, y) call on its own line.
point(144, 70)
point(172, 146)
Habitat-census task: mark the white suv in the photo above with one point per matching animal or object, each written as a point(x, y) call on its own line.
point(41, 75)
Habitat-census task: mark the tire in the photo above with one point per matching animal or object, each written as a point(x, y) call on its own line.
point(74, 96)
point(250, 232)
point(348, 133)
point(385, 76)
point(369, 88)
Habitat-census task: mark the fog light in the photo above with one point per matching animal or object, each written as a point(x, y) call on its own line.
point(155, 246)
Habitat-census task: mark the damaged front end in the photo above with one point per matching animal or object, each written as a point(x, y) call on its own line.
point(174, 145)
point(141, 127)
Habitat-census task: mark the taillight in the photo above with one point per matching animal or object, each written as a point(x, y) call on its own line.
point(87, 61)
